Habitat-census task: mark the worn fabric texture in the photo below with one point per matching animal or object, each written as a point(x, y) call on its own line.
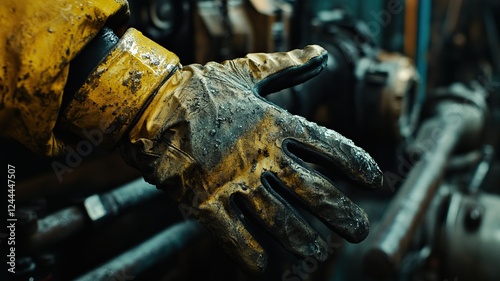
point(38, 40)
point(212, 141)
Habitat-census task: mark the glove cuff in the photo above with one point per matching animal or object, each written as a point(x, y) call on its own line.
point(119, 88)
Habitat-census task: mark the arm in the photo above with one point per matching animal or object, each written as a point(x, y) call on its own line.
point(205, 135)
point(38, 40)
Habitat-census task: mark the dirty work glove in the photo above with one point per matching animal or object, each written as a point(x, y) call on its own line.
point(209, 139)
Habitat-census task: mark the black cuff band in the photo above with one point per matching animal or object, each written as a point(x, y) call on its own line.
point(85, 62)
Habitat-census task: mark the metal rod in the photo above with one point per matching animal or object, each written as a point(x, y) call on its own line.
point(72, 220)
point(406, 211)
point(453, 124)
point(146, 255)
point(56, 227)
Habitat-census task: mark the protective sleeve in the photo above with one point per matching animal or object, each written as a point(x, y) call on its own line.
point(38, 40)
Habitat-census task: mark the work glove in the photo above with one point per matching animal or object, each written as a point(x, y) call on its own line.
point(209, 138)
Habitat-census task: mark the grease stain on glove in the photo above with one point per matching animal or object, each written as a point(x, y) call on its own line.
point(212, 142)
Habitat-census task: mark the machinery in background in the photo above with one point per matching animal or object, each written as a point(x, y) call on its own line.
point(436, 218)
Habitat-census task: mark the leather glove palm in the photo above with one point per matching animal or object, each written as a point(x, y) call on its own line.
point(210, 139)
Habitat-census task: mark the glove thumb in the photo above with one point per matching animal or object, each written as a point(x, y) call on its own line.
point(273, 72)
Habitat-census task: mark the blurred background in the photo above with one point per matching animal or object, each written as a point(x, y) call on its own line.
point(413, 82)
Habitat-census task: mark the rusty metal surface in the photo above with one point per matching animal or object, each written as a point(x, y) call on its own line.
point(385, 95)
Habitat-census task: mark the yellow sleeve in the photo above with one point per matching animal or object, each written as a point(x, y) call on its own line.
point(38, 39)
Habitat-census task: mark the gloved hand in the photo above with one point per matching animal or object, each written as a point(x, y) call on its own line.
point(210, 140)
point(216, 145)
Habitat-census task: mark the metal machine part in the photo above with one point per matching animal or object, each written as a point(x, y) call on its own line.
point(453, 119)
point(98, 208)
point(223, 30)
point(157, 18)
point(471, 239)
point(366, 94)
point(229, 29)
point(167, 22)
point(385, 95)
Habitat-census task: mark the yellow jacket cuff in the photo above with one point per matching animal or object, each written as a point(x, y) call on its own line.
point(119, 88)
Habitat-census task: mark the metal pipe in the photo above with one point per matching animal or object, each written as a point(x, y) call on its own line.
point(56, 227)
point(72, 220)
point(146, 255)
point(453, 123)
point(407, 209)
point(101, 207)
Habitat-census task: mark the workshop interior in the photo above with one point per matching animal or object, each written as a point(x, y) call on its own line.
point(413, 82)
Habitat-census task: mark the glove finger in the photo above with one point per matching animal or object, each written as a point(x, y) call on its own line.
point(232, 235)
point(319, 144)
point(273, 72)
point(283, 222)
point(325, 201)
